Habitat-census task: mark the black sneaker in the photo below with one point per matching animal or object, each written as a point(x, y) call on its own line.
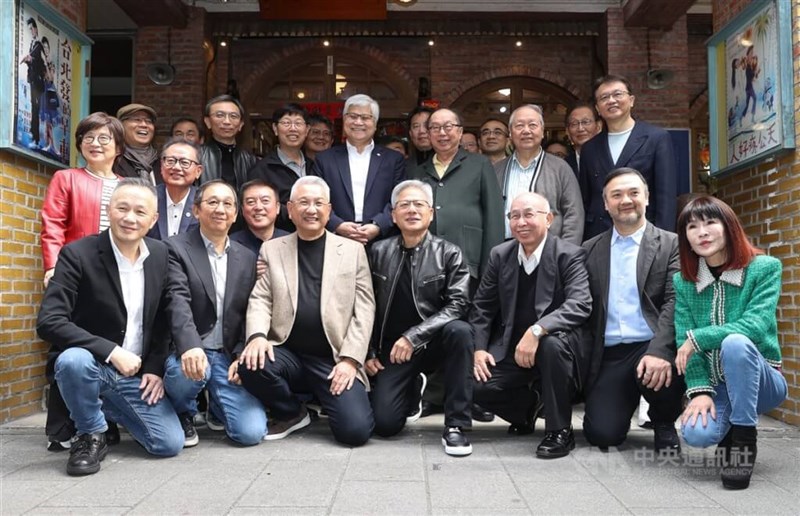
point(665, 439)
point(416, 404)
point(455, 442)
point(86, 453)
point(277, 429)
point(189, 432)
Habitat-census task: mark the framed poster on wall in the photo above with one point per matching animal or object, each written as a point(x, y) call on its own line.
point(750, 85)
point(47, 75)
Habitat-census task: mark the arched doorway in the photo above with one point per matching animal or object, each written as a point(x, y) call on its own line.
point(498, 97)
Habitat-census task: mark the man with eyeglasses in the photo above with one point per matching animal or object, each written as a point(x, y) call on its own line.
point(320, 135)
point(361, 175)
point(140, 158)
point(286, 163)
point(494, 139)
point(582, 124)
point(419, 270)
point(466, 197)
point(527, 318)
point(260, 208)
point(221, 156)
point(309, 321)
point(216, 274)
point(626, 142)
point(531, 169)
point(180, 168)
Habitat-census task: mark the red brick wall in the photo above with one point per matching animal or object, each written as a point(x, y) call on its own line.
point(767, 198)
point(22, 186)
point(186, 95)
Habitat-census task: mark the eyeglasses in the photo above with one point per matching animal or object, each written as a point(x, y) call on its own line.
point(305, 204)
point(184, 163)
point(102, 139)
point(140, 120)
point(493, 132)
point(215, 203)
point(406, 205)
point(586, 122)
point(527, 214)
point(521, 126)
point(358, 116)
point(222, 115)
point(286, 124)
point(449, 126)
point(616, 95)
point(321, 132)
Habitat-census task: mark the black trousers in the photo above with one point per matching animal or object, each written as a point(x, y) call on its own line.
point(391, 389)
point(510, 391)
point(37, 88)
point(349, 414)
point(613, 398)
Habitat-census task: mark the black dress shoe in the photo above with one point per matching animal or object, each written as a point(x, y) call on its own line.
point(665, 439)
point(529, 425)
point(556, 444)
point(86, 453)
point(428, 409)
point(112, 434)
point(481, 414)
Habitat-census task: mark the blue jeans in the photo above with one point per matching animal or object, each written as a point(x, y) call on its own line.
point(243, 415)
point(94, 391)
point(751, 387)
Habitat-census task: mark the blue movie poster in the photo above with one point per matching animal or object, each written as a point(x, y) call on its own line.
point(44, 83)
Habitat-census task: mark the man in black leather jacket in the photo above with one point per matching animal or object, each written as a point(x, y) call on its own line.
point(419, 270)
point(221, 157)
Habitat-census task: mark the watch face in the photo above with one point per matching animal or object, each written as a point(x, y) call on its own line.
point(537, 330)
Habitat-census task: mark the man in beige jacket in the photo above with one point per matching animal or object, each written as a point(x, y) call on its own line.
point(309, 322)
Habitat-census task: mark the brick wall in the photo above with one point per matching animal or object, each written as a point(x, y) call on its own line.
point(767, 197)
point(22, 186)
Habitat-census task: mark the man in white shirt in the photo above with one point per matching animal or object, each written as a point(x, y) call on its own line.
point(180, 168)
point(103, 315)
point(361, 175)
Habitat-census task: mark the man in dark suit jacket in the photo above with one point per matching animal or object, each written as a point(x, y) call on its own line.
point(102, 314)
point(625, 142)
point(361, 175)
point(180, 168)
point(219, 275)
point(631, 327)
point(527, 317)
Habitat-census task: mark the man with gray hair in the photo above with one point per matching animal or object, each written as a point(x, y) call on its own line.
point(530, 169)
point(361, 175)
point(420, 270)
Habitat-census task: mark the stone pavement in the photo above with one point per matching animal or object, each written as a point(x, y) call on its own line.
point(308, 473)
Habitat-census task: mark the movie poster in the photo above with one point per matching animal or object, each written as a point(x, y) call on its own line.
point(753, 103)
point(44, 86)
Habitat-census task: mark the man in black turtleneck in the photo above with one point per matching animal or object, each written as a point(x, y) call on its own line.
point(141, 157)
point(222, 158)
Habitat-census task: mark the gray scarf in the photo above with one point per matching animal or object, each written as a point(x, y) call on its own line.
point(141, 157)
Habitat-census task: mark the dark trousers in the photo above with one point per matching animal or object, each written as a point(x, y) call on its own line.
point(510, 394)
point(349, 414)
point(614, 396)
point(37, 88)
point(391, 390)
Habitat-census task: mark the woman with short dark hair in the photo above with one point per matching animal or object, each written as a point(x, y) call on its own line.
point(726, 295)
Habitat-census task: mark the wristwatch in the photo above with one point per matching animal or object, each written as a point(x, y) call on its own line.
point(538, 331)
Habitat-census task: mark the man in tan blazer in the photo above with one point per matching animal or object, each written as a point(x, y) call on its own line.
point(309, 322)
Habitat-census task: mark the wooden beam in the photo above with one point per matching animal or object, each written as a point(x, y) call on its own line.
point(654, 14)
point(144, 13)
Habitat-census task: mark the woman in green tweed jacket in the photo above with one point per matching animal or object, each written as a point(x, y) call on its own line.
point(727, 335)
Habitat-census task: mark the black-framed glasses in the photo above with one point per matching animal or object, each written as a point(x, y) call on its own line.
point(358, 116)
point(184, 163)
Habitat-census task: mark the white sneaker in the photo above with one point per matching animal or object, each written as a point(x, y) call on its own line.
point(418, 412)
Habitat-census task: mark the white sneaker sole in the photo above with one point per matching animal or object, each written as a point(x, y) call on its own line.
point(189, 443)
point(457, 451)
point(297, 426)
point(418, 413)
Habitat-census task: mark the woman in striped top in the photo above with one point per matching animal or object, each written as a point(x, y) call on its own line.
point(726, 295)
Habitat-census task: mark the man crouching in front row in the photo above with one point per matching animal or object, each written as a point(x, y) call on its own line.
point(420, 270)
point(309, 321)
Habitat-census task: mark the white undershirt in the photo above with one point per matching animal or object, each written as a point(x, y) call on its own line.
point(131, 279)
point(617, 141)
point(174, 214)
point(359, 168)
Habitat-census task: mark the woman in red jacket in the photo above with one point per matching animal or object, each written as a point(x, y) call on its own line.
point(76, 199)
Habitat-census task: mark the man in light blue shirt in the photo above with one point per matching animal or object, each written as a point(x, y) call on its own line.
point(630, 275)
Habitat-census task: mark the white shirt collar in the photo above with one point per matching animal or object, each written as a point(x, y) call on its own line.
point(530, 263)
point(352, 149)
point(144, 252)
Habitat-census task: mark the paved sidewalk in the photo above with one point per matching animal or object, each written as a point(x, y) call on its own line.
point(308, 473)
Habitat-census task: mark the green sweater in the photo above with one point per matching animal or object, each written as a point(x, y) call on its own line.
point(741, 301)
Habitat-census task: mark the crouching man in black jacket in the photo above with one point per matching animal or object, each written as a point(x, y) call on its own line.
point(421, 291)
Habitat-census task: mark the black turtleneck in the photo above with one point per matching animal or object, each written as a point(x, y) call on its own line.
point(227, 172)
